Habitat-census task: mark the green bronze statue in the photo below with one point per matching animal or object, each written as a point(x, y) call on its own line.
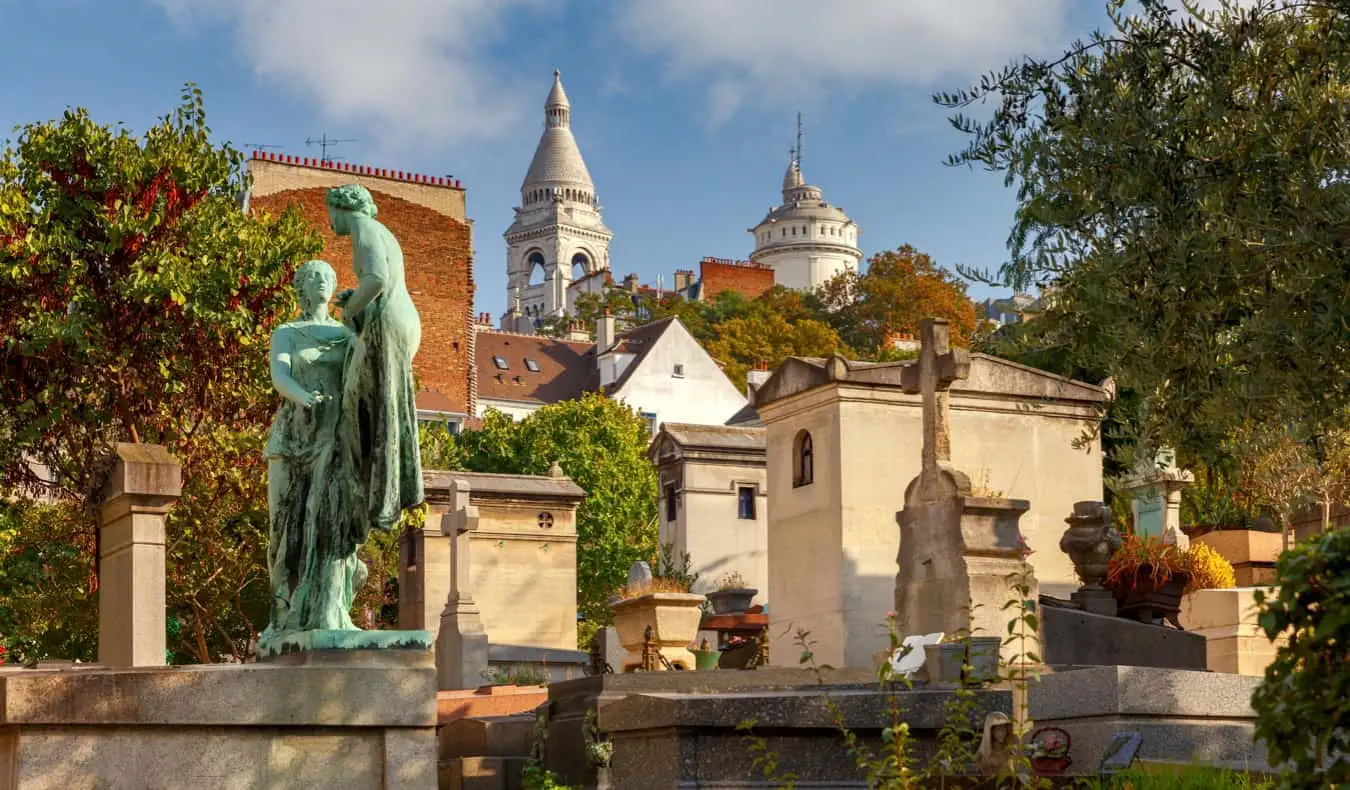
point(342, 456)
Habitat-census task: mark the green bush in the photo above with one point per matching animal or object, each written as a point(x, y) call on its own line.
point(1300, 706)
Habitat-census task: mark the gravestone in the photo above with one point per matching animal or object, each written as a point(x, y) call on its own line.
point(1154, 489)
point(956, 550)
point(462, 642)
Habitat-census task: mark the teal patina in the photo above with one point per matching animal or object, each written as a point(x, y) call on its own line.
point(379, 411)
point(343, 456)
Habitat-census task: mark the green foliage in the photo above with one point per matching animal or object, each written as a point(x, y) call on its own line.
point(1301, 714)
point(1181, 195)
point(1186, 778)
point(516, 676)
point(676, 571)
point(602, 445)
point(139, 300)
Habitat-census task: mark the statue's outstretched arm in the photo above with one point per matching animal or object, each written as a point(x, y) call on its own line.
point(282, 379)
point(373, 261)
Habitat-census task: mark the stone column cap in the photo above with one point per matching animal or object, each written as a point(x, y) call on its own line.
point(144, 470)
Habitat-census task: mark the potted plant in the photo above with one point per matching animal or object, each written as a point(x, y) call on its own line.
point(666, 608)
point(1148, 578)
point(732, 595)
point(705, 657)
point(1050, 751)
point(945, 660)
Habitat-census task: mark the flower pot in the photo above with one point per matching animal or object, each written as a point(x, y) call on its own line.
point(732, 601)
point(673, 618)
point(944, 661)
point(984, 655)
point(706, 659)
point(1050, 766)
point(1143, 599)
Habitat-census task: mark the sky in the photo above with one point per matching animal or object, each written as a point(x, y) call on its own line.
point(684, 110)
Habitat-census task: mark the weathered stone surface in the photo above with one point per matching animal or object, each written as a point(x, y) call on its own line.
point(1071, 637)
point(673, 740)
point(252, 726)
point(270, 646)
point(1182, 716)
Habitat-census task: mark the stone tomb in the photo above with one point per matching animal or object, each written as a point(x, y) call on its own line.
point(842, 441)
point(496, 559)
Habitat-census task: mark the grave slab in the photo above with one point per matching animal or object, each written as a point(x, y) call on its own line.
point(1181, 716)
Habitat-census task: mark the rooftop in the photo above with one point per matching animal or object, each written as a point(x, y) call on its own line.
point(359, 170)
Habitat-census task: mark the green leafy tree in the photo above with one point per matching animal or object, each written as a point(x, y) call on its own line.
point(588, 309)
point(139, 299)
point(897, 291)
point(602, 445)
point(1182, 198)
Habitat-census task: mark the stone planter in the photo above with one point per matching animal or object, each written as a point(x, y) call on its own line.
point(1147, 601)
point(732, 601)
point(984, 655)
point(944, 661)
point(1251, 552)
point(674, 619)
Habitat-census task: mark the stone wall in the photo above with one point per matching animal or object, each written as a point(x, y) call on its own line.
point(429, 222)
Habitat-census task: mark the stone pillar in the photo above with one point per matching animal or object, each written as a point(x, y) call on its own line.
point(1155, 493)
point(146, 482)
point(462, 644)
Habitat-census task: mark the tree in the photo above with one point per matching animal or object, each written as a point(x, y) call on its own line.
point(587, 310)
point(1181, 191)
point(898, 290)
point(602, 445)
point(139, 299)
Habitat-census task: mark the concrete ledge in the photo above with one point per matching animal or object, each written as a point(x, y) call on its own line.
point(222, 695)
point(1072, 636)
point(1181, 716)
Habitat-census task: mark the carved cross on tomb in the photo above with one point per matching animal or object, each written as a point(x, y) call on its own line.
point(938, 366)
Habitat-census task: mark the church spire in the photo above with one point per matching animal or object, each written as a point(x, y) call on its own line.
point(557, 108)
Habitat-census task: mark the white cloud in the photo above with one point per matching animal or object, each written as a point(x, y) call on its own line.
point(781, 52)
point(410, 70)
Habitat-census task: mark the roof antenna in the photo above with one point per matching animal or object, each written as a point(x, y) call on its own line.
point(797, 156)
point(325, 142)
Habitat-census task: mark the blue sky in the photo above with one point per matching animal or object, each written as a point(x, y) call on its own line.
point(684, 109)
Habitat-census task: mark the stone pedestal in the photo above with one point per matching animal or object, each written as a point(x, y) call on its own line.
point(956, 555)
point(340, 720)
point(146, 482)
point(1227, 619)
point(1155, 492)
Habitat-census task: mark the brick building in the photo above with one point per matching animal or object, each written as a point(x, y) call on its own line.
point(427, 216)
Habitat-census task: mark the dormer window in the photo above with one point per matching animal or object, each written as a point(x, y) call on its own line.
point(500, 362)
point(531, 365)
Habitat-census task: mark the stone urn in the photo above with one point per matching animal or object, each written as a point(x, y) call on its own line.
point(733, 600)
point(1090, 541)
point(673, 618)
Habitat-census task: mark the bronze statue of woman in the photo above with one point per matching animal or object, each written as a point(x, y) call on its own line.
point(379, 413)
point(310, 487)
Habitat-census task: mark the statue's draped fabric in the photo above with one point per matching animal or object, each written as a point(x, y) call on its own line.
point(379, 402)
point(313, 578)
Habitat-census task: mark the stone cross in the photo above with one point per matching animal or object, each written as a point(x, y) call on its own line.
point(938, 366)
point(459, 523)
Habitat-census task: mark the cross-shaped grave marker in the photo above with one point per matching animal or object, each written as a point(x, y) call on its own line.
point(938, 366)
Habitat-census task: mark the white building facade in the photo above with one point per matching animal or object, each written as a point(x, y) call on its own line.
point(558, 235)
point(806, 240)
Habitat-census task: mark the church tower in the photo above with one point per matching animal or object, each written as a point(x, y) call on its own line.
point(558, 235)
point(806, 240)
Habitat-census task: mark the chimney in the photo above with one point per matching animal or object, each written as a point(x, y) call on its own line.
point(604, 332)
point(576, 331)
point(630, 283)
point(756, 378)
point(683, 279)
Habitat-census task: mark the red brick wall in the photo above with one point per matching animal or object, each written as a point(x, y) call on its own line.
point(748, 279)
point(436, 253)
